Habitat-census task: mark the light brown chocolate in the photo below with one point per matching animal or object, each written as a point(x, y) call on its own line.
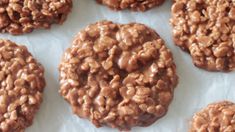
point(118, 75)
point(135, 5)
point(23, 16)
point(206, 29)
point(216, 117)
point(21, 87)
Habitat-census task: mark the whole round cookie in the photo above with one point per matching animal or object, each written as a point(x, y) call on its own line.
point(118, 75)
point(206, 29)
point(135, 5)
point(23, 16)
point(22, 84)
point(216, 117)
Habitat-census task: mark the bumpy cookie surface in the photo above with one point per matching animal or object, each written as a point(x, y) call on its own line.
point(206, 29)
point(22, 84)
point(23, 16)
point(118, 75)
point(135, 5)
point(216, 117)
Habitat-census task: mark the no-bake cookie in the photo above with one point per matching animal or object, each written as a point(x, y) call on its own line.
point(216, 117)
point(21, 86)
point(206, 29)
point(23, 16)
point(118, 75)
point(135, 5)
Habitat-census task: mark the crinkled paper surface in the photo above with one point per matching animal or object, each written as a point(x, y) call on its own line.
point(195, 90)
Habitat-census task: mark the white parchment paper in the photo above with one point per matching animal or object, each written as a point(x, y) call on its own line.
point(195, 90)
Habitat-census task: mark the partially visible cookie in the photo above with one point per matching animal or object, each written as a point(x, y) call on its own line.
point(216, 117)
point(206, 29)
point(135, 5)
point(23, 16)
point(21, 86)
point(118, 75)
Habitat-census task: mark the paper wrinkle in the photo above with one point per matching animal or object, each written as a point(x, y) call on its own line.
point(195, 90)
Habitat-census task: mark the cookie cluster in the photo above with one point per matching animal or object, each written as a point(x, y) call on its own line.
point(206, 29)
point(135, 5)
point(120, 75)
point(23, 16)
point(116, 75)
point(22, 83)
point(219, 117)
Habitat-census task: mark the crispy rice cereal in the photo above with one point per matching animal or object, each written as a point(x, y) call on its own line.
point(118, 75)
point(23, 16)
point(22, 84)
point(216, 117)
point(135, 5)
point(206, 29)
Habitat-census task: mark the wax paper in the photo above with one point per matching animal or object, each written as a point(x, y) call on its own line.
point(195, 90)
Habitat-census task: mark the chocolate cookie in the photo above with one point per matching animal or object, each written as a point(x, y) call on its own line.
point(22, 84)
point(23, 16)
point(206, 29)
point(118, 75)
point(135, 5)
point(216, 117)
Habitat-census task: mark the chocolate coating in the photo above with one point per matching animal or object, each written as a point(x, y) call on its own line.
point(119, 75)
